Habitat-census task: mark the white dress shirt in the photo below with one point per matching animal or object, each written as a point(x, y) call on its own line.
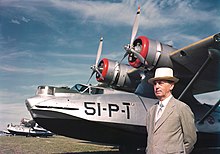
point(161, 107)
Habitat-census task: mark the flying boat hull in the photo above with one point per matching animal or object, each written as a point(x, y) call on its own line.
point(117, 118)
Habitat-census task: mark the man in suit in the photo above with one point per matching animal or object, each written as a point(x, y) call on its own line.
point(170, 122)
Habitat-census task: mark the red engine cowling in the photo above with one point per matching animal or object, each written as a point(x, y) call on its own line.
point(103, 68)
point(116, 75)
point(150, 50)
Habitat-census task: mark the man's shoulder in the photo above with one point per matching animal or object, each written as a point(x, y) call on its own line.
point(153, 107)
point(179, 103)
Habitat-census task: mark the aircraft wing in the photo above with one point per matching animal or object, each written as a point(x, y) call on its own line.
point(190, 60)
point(135, 73)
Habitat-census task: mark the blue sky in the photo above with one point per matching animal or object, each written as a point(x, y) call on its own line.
point(55, 42)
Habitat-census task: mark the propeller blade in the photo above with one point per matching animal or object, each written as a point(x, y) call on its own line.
point(91, 76)
point(129, 47)
point(100, 74)
point(99, 51)
point(138, 55)
point(95, 67)
point(125, 55)
point(135, 26)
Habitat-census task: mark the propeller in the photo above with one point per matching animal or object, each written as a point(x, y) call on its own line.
point(137, 54)
point(135, 26)
point(95, 68)
point(129, 47)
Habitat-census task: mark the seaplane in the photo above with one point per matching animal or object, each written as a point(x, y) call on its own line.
point(114, 111)
point(28, 128)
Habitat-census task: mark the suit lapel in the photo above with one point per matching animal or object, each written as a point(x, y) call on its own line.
point(167, 112)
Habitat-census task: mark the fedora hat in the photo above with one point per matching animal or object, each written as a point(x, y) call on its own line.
point(163, 73)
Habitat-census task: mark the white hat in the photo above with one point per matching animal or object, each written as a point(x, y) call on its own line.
point(163, 73)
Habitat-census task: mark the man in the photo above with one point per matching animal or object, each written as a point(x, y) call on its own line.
point(170, 122)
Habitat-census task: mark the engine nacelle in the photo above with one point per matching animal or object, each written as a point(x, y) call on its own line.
point(151, 51)
point(116, 75)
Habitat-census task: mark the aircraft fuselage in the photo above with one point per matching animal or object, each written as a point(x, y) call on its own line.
point(115, 118)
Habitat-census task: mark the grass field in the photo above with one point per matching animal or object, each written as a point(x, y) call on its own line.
point(64, 145)
point(56, 145)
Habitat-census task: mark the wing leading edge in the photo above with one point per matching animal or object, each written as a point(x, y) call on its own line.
point(189, 61)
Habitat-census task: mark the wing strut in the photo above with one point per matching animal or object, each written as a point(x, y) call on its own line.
point(209, 58)
point(209, 112)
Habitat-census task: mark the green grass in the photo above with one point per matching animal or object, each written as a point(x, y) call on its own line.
point(57, 144)
point(64, 145)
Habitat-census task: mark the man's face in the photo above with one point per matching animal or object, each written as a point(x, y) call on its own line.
point(162, 89)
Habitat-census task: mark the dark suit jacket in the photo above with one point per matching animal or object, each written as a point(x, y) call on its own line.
point(174, 132)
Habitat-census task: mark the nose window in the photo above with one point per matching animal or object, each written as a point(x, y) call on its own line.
point(45, 90)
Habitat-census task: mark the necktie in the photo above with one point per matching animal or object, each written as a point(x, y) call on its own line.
point(159, 112)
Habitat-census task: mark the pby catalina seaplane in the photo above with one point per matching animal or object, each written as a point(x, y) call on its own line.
point(114, 112)
point(28, 128)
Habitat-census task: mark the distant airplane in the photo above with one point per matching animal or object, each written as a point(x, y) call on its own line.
point(28, 128)
point(114, 112)
point(5, 133)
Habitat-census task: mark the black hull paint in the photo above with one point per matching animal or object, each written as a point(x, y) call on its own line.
point(109, 133)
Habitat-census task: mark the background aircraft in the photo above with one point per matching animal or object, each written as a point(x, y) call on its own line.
point(28, 128)
point(115, 111)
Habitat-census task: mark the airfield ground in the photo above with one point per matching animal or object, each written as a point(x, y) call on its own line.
point(56, 145)
point(63, 145)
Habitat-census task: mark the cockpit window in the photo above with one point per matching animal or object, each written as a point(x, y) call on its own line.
point(97, 91)
point(87, 89)
point(79, 87)
point(45, 90)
